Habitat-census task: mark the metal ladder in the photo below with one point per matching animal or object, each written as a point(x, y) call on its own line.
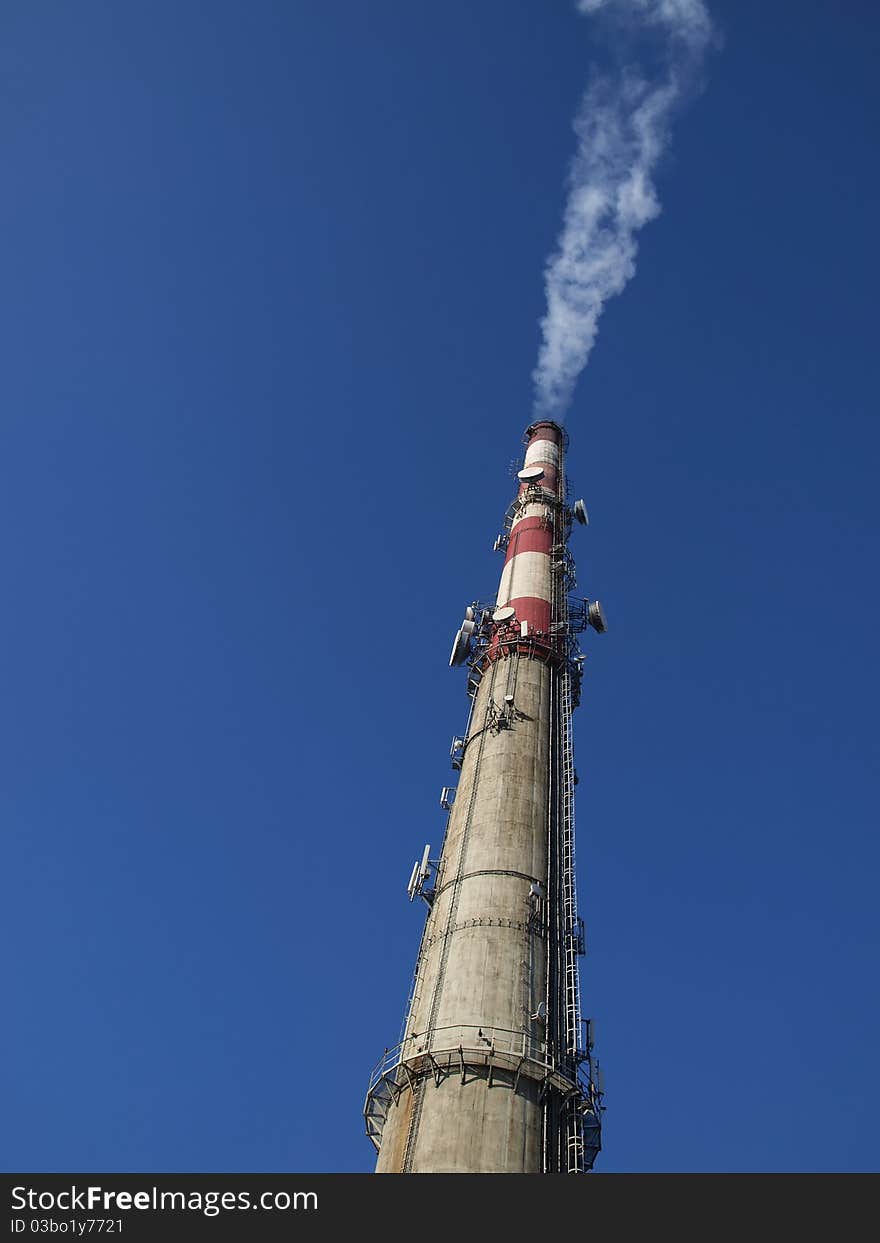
point(571, 938)
point(571, 935)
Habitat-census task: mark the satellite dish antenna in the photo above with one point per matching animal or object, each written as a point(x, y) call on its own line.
point(460, 647)
point(468, 627)
point(469, 614)
point(596, 618)
point(504, 614)
point(580, 512)
point(530, 474)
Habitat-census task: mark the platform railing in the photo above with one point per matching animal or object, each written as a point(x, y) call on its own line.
point(462, 1047)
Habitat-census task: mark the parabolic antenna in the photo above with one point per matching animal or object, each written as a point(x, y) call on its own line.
point(580, 512)
point(460, 648)
point(596, 617)
point(504, 614)
point(468, 627)
point(469, 614)
point(530, 474)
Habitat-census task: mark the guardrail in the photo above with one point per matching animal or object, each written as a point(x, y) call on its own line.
point(467, 1037)
point(464, 1047)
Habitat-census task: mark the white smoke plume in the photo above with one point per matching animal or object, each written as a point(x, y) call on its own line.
point(622, 127)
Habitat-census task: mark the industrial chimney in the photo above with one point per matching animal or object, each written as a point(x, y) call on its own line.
point(495, 1072)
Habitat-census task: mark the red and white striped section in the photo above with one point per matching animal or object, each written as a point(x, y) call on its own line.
point(525, 583)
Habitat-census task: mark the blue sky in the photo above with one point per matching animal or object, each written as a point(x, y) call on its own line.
point(272, 279)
